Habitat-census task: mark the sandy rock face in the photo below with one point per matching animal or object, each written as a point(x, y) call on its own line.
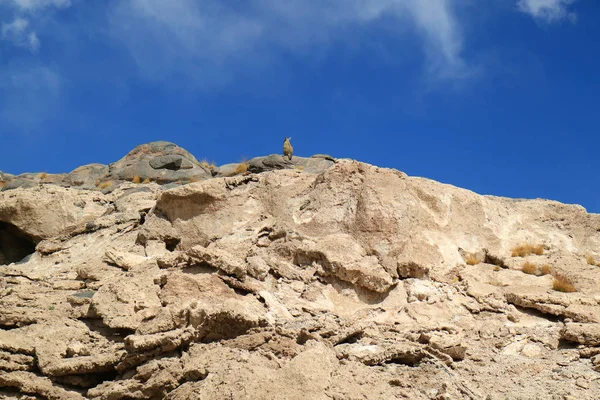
point(343, 282)
point(49, 211)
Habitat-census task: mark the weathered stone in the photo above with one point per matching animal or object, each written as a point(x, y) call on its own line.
point(325, 279)
point(27, 382)
point(172, 162)
point(586, 334)
point(218, 259)
point(87, 176)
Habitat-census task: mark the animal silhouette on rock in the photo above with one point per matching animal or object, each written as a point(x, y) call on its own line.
point(288, 150)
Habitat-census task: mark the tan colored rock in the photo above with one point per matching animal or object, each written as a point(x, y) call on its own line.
point(125, 303)
point(257, 267)
point(27, 382)
point(164, 341)
point(122, 259)
point(218, 259)
point(586, 334)
point(50, 210)
point(233, 317)
point(352, 282)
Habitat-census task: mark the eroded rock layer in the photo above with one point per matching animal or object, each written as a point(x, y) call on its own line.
point(337, 280)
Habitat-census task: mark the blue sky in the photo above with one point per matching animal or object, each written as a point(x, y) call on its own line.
point(496, 96)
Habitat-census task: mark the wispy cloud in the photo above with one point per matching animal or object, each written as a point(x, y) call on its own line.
point(548, 11)
point(19, 34)
point(209, 39)
point(32, 5)
point(30, 95)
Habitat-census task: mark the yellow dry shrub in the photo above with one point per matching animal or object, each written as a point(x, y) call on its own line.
point(104, 185)
point(472, 260)
point(529, 268)
point(562, 284)
point(146, 181)
point(241, 168)
point(2, 184)
point(526, 249)
point(208, 164)
point(136, 179)
point(591, 260)
point(546, 269)
point(43, 175)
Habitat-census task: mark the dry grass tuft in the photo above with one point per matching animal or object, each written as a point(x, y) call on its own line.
point(299, 167)
point(472, 260)
point(523, 250)
point(136, 179)
point(208, 164)
point(591, 260)
point(43, 176)
point(2, 184)
point(104, 185)
point(529, 268)
point(562, 284)
point(546, 269)
point(146, 181)
point(241, 167)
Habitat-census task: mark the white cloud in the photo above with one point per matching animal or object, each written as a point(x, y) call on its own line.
point(18, 33)
point(209, 39)
point(30, 95)
point(32, 5)
point(548, 10)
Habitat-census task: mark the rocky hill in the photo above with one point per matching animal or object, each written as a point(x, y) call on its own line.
point(159, 276)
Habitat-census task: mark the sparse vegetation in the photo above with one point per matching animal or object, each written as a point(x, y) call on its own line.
point(526, 249)
point(43, 176)
point(2, 184)
point(472, 260)
point(299, 167)
point(563, 284)
point(241, 167)
point(104, 185)
point(529, 268)
point(546, 269)
point(146, 181)
point(591, 260)
point(208, 164)
point(136, 179)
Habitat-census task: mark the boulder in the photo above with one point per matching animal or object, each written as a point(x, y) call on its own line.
point(87, 176)
point(161, 162)
point(50, 210)
point(314, 165)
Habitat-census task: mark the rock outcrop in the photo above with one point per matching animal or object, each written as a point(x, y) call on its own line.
point(309, 278)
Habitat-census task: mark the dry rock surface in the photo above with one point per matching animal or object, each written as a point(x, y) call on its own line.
point(306, 279)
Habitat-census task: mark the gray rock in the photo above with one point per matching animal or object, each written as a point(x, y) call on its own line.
point(323, 156)
point(160, 162)
point(87, 176)
point(226, 170)
point(313, 165)
point(269, 163)
point(171, 162)
point(18, 183)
